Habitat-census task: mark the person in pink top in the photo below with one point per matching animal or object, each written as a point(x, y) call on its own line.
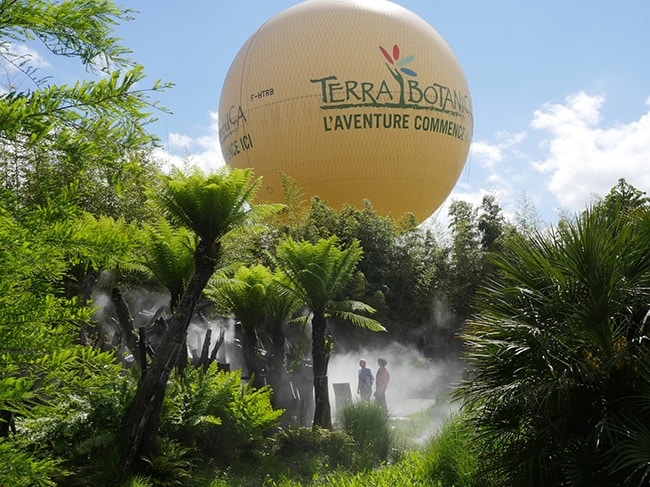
point(382, 378)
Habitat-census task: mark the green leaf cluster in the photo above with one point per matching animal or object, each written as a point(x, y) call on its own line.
point(217, 413)
point(88, 137)
point(558, 354)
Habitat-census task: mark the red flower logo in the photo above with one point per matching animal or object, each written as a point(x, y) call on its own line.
point(396, 61)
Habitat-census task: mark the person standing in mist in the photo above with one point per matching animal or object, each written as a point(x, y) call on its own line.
point(383, 377)
point(364, 389)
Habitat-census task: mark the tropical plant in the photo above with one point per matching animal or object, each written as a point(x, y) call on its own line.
point(217, 413)
point(281, 310)
point(558, 354)
point(210, 206)
point(316, 275)
point(168, 254)
point(254, 296)
point(245, 295)
point(397, 275)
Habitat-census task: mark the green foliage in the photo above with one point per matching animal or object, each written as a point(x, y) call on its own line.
point(320, 457)
point(84, 419)
point(171, 465)
point(211, 205)
point(245, 295)
point(22, 469)
point(407, 472)
point(450, 458)
point(38, 323)
point(558, 355)
point(218, 414)
point(72, 432)
point(63, 29)
point(168, 253)
point(368, 423)
point(297, 453)
point(138, 481)
point(330, 449)
point(465, 258)
point(318, 273)
point(397, 273)
point(60, 391)
point(88, 137)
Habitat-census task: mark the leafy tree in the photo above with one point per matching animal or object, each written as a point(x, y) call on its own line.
point(476, 233)
point(66, 147)
point(527, 219)
point(40, 364)
point(465, 258)
point(210, 206)
point(624, 198)
point(490, 223)
point(280, 310)
point(317, 274)
point(558, 355)
point(397, 275)
point(254, 296)
point(89, 137)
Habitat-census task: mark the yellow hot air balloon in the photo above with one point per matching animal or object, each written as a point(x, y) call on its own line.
point(353, 99)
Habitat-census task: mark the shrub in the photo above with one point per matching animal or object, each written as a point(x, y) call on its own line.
point(298, 447)
point(75, 428)
point(368, 424)
point(22, 469)
point(172, 465)
point(215, 412)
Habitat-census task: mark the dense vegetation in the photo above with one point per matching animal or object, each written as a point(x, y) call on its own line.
point(554, 321)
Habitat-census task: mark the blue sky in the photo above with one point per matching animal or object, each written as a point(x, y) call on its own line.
point(560, 89)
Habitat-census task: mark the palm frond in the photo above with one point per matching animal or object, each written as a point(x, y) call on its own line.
point(169, 255)
point(212, 204)
point(245, 294)
point(317, 272)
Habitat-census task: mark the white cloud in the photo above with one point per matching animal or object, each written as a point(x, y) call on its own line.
point(586, 159)
point(485, 153)
point(203, 151)
point(179, 141)
point(489, 154)
point(11, 57)
point(26, 53)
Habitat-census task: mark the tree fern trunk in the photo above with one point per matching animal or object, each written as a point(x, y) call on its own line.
point(144, 415)
point(320, 358)
point(249, 346)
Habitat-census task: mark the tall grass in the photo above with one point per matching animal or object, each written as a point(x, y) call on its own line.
point(449, 458)
point(368, 424)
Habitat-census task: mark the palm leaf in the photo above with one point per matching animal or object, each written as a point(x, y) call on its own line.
point(214, 204)
point(169, 255)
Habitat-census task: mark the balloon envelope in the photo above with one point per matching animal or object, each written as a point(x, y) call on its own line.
point(353, 99)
